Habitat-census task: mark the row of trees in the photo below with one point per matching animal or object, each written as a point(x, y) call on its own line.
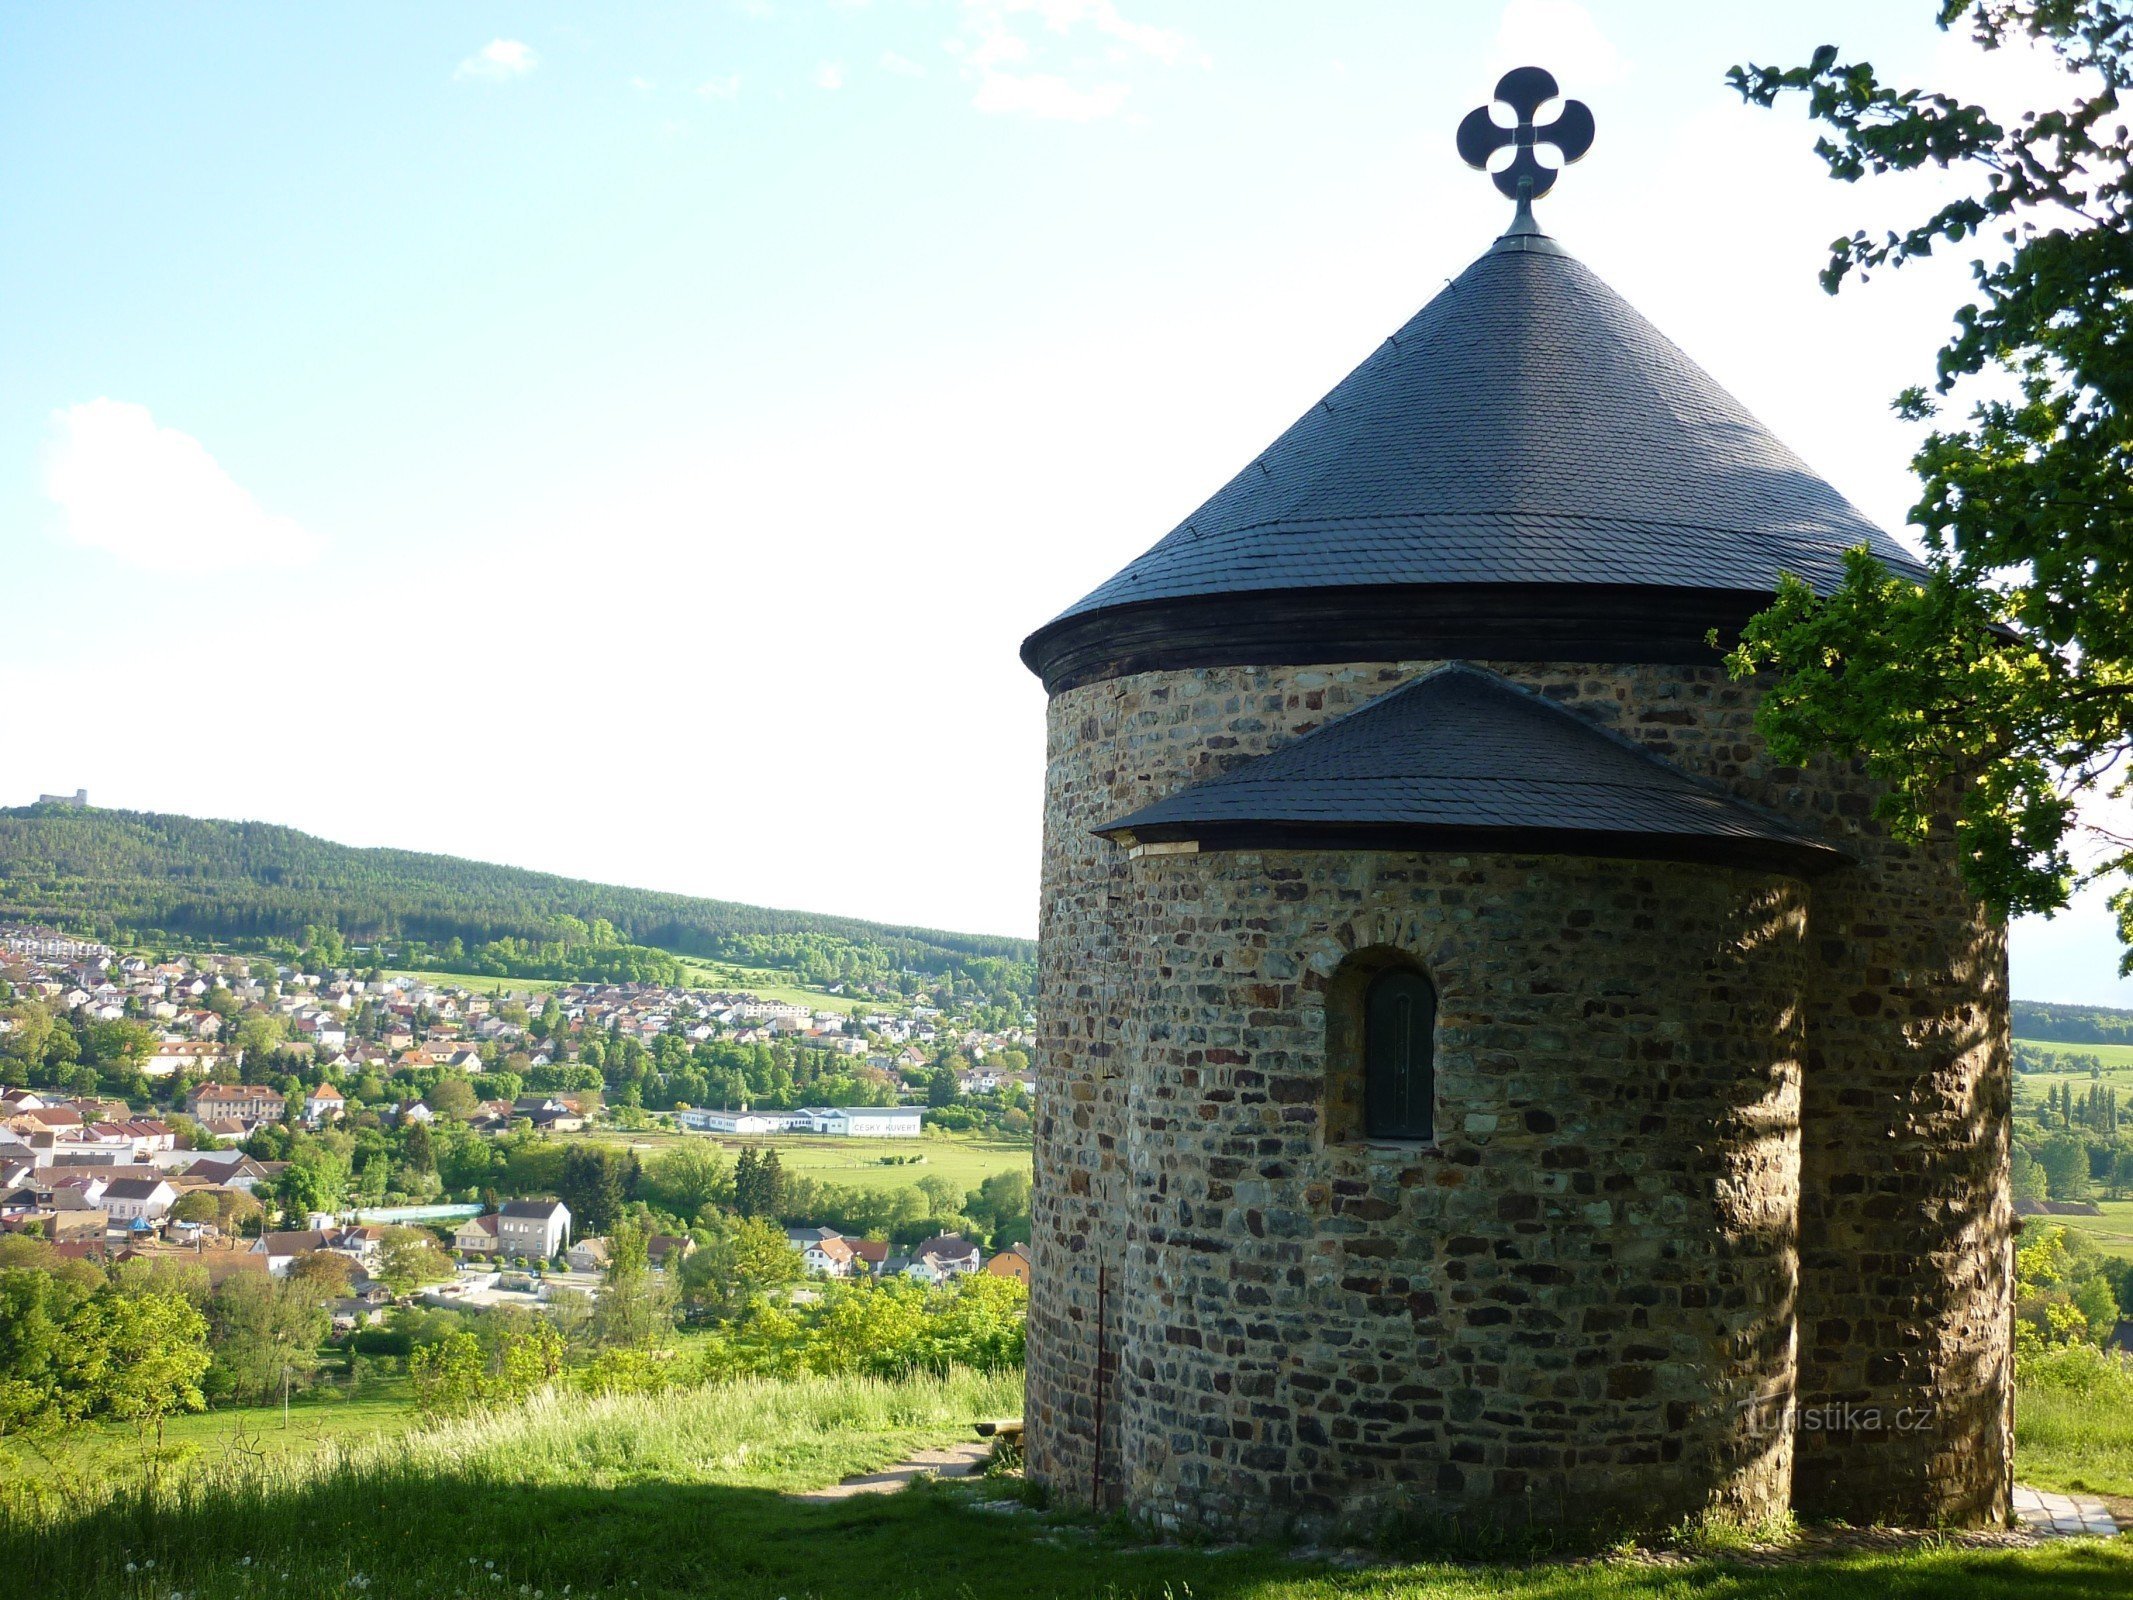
point(118, 874)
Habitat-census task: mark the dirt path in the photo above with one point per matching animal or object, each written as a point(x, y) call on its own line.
point(951, 1461)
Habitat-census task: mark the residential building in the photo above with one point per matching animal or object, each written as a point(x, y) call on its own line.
point(141, 1202)
point(944, 1256)
point(534, 1229)
point(324, 1104)
point(243, 1102)
point(1013, 1262)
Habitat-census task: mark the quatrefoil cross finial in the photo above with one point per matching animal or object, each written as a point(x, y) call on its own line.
point(1525, 90)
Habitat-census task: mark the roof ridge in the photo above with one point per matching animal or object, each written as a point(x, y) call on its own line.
point(1675, 785)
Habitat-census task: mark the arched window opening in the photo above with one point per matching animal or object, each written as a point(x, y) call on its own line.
point(1399, 1065)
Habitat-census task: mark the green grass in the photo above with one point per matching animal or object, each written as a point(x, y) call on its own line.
point(964, 1159)
point(655, 1499)
point(2115, 1057)
point(769, 984)
point(475, 984)
point(2074, 1422)
point(208, 1438)
point(2113, 1231)
point(2068, 1442)
point(764, 983)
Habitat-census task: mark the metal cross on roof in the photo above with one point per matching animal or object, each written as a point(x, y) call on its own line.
point(1525, 90)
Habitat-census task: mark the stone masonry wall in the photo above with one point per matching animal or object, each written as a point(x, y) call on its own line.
point(1577, 1306)
point(1904, 1217)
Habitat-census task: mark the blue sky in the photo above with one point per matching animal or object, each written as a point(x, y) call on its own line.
point(631, 440)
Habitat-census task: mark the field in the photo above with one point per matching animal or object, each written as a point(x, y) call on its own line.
point(2113, 1231)
point(762, 982)
point(965, 1160)
point(683, 1495)
point(2116, 1060)
point(478, 985)
point(766, 983)
point(212, 1440)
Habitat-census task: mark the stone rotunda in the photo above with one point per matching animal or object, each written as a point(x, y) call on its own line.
point(1475, 1079)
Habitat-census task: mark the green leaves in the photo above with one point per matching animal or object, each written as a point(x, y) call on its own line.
point(1996, 697)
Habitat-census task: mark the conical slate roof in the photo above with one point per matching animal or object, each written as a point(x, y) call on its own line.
point(1463, 759)
point(1527, 433)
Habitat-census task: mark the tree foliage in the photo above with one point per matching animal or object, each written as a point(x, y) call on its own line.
point(108, 871)
point(1997, 695)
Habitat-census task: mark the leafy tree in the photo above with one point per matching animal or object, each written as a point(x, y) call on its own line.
point(410, 1259)
point(2002, 688)
point(2065, 1161)
point(688, 1178)
point(748, 1183)
point(596, 1181)
point(134, 1358)
point(458, 1373)
point(323, 1274)
point(1000, 1204)
point(2027, 1176)
point(262, 1332)
point(636, 1306)
point(453, 1097)
point(37, 1309)
point(738, 1261)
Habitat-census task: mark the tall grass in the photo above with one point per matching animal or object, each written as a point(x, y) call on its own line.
point(510, 1494)
point(2074, 1420)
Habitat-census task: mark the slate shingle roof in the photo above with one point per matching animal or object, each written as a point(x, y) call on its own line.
point(1527, 426)
point(1463, 756)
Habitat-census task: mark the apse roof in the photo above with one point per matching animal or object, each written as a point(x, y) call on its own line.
point(1464, 758)
point(1526, 427)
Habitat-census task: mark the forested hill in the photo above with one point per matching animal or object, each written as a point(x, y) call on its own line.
point(135, 875)
point(2034, 1019)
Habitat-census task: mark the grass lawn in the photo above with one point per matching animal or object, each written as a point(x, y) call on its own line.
point(964, 1159)
point(474, 984)
point(767, 983)
point(762, 982)
point(2113, 1231)
point(2113, 1056)
point(679, 1495)
point(210, 1440)
point(2069, 1442)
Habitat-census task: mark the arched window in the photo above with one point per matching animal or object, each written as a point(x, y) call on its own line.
point(1399, 1066)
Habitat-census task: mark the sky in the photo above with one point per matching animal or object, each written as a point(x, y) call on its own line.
point(631, 441)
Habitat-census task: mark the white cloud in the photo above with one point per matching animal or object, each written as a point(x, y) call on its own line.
point(155, 497)
point(642, 85)
point(830, 75)
point(1561, 36)
point(726, 88)
point(901, 66)
point(991, 43)
point(499, 59)
point(1047, 97)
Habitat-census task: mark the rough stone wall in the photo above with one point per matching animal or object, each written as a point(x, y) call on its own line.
point(1577, 1306)
point(1904, 1214)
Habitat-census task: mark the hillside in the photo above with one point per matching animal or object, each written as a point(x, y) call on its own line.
point(144, 876)
point(2037, 1020)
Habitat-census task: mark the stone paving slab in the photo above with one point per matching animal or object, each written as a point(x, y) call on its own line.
point(954, 1461)
point(2058, 1516)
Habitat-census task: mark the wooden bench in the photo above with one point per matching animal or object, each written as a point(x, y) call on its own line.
point(1003, 1430)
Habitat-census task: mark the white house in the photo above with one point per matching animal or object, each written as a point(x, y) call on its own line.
point(535, 1229)
point(944, 1256)
point(144, 1200)
point(324, 1104)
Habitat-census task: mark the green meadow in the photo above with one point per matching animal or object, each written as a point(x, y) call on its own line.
point(689, 1494)
point(2113, 1231)
point(965, 1160)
